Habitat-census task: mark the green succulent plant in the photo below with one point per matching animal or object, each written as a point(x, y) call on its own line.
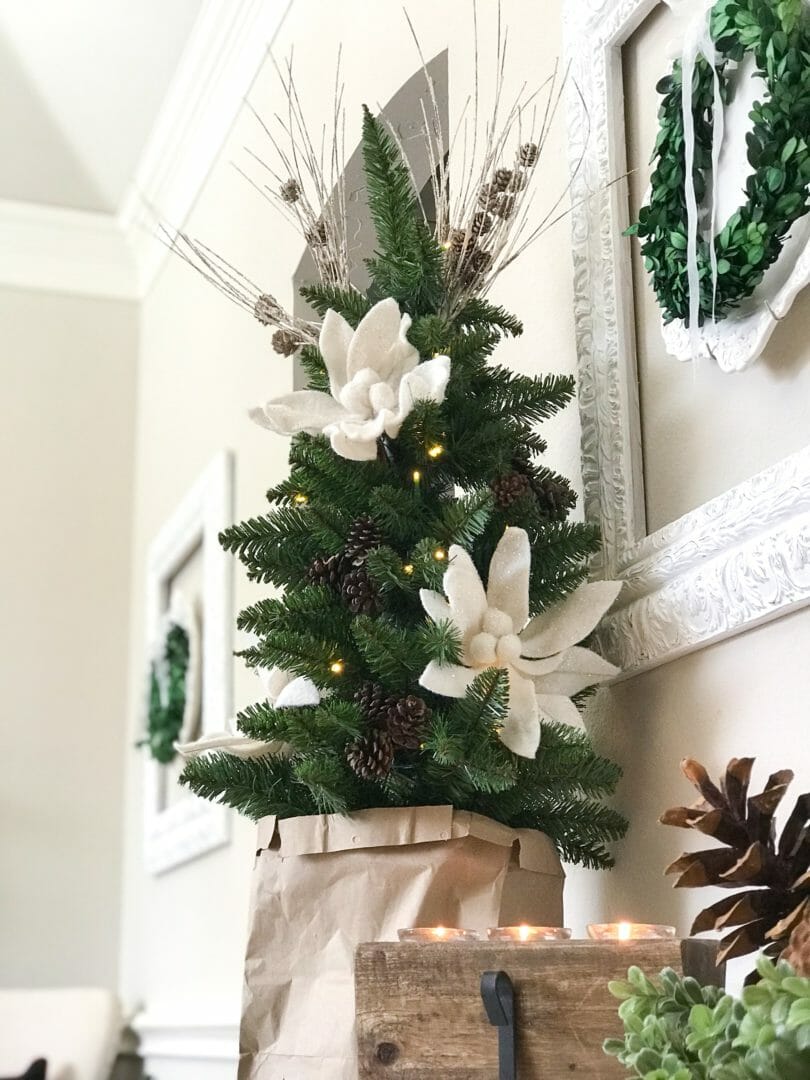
point(676, 1029)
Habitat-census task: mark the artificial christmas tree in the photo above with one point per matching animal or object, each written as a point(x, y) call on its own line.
point(427, 747)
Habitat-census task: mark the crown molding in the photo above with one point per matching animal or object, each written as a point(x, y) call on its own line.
point(117, 255)
point(227, 46)
point(61, 250)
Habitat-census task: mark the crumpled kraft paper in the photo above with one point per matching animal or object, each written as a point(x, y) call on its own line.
point(326, 883)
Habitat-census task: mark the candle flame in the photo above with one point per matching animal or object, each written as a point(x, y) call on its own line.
point(624, 931)
point(523, 932)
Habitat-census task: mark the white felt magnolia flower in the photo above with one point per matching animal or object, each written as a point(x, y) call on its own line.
point(283, 692)
point(374, 379)
point(541, 656)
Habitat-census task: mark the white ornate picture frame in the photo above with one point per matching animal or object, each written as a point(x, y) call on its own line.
point(740, 559)
point(181, 830)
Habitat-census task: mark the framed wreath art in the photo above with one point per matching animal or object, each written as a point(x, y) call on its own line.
point(703, 274)
point(715, 538)
point(175, 682)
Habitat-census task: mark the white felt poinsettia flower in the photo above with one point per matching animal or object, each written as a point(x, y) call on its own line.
point(374, 380)
point(283, 691)
point(545, 664)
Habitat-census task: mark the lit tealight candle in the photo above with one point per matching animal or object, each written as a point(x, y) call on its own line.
point(436, 933)
point(523, 933)
point(630, 931)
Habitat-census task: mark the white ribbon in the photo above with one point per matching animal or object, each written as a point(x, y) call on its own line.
point(697, 41)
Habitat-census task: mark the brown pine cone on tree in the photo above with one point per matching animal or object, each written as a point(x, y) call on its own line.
point(364, 536)
point(555, 496)
point(328, 571)
point(360, 592)
point(528, 154)
point(290, 191)
point(481, 223)
point(371, 756)
point(509, 488)
point(374, 702)
point(406, 720)
point(797, 952)
point(774, 876)
point(285, 342)
point(502, 179)
point(489, 196)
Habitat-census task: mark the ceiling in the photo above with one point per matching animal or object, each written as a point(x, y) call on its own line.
point(83, 82)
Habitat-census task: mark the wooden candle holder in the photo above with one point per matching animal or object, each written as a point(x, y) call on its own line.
point(420, 1015)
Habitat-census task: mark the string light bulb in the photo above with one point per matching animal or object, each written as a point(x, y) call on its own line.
point(416, 476)
point(337, 667)
point(439, 554)
point(435, 451)
point(300, 498)
point(407, 568)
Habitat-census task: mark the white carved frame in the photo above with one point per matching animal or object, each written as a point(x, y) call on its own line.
point(741, 558)
point(190, 827)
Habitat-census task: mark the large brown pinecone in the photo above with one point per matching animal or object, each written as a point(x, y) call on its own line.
point(405, 721)
point(555, 496)
point(797, 952)
point(374, 702)
point(507, 489)
point(364, 536)
point(371, 756)
point(360, 592)
point(328, 570)
point(774, 876)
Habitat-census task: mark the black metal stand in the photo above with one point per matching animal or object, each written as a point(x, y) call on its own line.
point(498, 996)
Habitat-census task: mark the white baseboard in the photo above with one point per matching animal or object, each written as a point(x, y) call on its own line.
point(162, 1038)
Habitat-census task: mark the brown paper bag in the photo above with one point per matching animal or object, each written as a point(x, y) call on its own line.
point(323, 884)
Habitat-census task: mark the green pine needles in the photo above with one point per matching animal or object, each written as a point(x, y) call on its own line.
point(351, 543)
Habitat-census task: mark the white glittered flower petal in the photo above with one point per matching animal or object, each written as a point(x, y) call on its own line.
point(559, 709)
point(508, 584)
point(521, 730)
point(435, 605)
point(533, 668)
point(570, 621)
point(465, 591)
point(336, 336)
point(352, 449)
point(301, 691)
point(427, 382)
point(273, 681)
point(236, 745)
point(377, 331)
point(302, 410)
point(578, 669)
point(447, 680)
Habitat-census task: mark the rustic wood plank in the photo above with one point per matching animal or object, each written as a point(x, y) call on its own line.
point(420, 1015)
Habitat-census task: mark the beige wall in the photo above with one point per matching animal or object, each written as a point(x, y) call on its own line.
point(203, 362)
point(66, 424)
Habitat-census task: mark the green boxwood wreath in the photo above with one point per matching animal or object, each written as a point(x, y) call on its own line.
point(778, 34)
point(166, 714)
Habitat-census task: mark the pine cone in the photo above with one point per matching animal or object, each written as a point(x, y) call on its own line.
point(554, 496)
point(529, 153)
point(285, 342)
point(290, 191)
point(797, 952)
point(504, 207)
point(364, 536)
point(371, 757)
point(374, 703)
point(406, 720)
point(481, 224)
point(488, 197)
point(502, 179)
point(775, 876)
point(317, 236)
point(360, 592)
point(327, 571)
point(266, 310)
point(507, 489)
point(456, 241)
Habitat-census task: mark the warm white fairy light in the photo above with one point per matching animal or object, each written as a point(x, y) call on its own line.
point(337, 667)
